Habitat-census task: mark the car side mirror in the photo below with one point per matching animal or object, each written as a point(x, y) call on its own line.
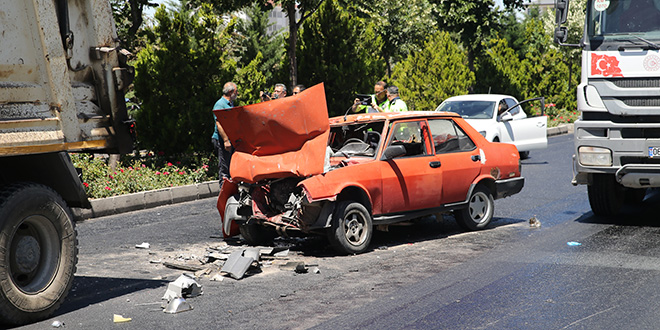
point(394, 151)
point(506, 117)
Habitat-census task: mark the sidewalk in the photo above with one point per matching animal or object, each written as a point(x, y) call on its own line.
point(148, 199)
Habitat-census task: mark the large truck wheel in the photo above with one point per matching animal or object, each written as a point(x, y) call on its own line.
point(38, 252)
point(606, 196)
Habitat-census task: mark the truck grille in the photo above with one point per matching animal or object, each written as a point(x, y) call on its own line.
point(640, 133)
point(639, 160)
point(636, 82)
point(641, 102)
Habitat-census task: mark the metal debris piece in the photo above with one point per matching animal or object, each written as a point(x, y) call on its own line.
point(156, 261)
point(281, 254)
point(184, 286)
point(144, 245)
point(217, 278)
point(57, 324)
point(187, 267)
point(203, 272)
point(315, 270)
point(239, 261)
point(534, 222)
point(120, 319)
point(266, 251)
point(292, 265)
point(177, 305)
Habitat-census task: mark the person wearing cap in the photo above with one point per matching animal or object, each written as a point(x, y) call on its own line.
point(395, 103)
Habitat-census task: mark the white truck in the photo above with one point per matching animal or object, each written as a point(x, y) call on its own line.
point(62, 76)
point(617, 137)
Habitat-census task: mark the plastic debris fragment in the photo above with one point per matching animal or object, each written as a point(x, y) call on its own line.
point(177, 305)
point(120, 319)
point(573, 243)
point(144, 245)
point(57, 324)
point(184, 286)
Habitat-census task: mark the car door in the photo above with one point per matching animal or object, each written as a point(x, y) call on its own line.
point(458, 157)
point(526, 133)
point(412, 181)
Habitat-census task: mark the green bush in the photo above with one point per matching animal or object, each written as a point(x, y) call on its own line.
point(141, 173)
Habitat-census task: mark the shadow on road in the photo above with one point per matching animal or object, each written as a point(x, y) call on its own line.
point(634, 215)
point(89, 290)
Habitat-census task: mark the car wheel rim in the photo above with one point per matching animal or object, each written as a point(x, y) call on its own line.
point(478, 207)
point(34, 254)
point(354, 228)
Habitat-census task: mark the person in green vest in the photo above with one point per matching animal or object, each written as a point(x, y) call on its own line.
point(378, 100)
point(394, 103)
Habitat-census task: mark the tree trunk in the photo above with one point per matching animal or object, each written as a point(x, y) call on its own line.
point(293, 40)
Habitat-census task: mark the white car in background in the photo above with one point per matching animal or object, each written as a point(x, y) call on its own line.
point(511, 125)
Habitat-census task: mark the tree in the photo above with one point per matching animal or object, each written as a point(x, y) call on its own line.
point(128, 19)
point(179, 76)
point(337, 48)
point(438, 71)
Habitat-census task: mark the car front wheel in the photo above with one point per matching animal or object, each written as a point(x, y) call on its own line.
point(351, 229)
point(479, 210)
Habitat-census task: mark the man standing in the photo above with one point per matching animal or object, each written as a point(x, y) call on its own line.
point(378, 100)
point(221, 143)
point(278, 92)
point(395, 104)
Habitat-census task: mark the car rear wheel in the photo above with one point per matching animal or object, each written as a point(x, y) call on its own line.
point(351, 228)
point(479, 210)
point(524, 154)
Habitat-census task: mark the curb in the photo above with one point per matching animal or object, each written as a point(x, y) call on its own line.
point(561, 129)
point(147, 199)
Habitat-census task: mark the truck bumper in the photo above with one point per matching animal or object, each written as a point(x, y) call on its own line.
point(629, 144)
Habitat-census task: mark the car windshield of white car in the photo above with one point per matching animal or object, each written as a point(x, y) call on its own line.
point(469, 109)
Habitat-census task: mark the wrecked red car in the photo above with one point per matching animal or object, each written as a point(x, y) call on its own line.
point(295, 171)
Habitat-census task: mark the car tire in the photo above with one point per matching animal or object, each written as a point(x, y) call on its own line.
point(479, 210)
point(255, 234)
point(351, 228)
point(38, 252)
point(606, 196)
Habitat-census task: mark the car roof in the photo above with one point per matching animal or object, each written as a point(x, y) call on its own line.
point(479, 97)
point(381, 116)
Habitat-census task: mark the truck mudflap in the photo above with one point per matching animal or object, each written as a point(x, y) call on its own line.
point(639, 176)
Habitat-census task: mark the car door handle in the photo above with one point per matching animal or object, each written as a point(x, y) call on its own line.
point(476, 158)
point(434, 164)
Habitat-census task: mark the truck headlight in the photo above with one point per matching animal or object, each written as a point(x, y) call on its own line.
point(594, 156)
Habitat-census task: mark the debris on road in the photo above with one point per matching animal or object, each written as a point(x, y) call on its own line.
point(239, 261)
point(188, 267)
point(534, 222)
point(184, 286)
point(57, 324)
point(177, 305)
point(573, 243)
point(120, 319)
point(144, 245)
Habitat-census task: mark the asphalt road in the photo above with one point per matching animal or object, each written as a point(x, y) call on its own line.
point(426, 275)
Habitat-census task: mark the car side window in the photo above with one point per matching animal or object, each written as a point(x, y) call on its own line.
point(448, 137)
point(511, 102)
point(411, 136)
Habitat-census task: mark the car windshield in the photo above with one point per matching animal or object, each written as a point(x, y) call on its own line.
point(469, 109)
point(359, 139)
point(613, 20)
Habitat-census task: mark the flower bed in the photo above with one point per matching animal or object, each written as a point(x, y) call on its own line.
point(141, 173)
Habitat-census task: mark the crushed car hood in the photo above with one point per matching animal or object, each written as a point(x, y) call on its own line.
point(279, 138)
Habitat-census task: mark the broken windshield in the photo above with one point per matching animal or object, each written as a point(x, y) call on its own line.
point(469, 109)
point(359, 139)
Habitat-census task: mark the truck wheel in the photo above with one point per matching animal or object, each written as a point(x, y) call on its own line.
point(255, 234)
point(606, 196)
point(479, 211)
point(635, 196)
point(38, 252)
point(350, 231)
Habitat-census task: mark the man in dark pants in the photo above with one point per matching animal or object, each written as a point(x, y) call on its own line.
point(221, 143)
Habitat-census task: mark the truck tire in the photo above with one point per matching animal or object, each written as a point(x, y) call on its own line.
point(606, 196)
point(479, 211)
point(38, 252)
point(351, 228)
point(255, 234)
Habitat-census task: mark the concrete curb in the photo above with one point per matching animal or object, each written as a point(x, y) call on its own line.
point(561, 129)
point(147, 199)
